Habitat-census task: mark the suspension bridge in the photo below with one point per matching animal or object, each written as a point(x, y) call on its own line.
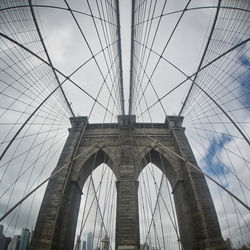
point(124, 124)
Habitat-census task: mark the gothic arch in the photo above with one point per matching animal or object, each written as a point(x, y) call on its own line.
point(63, 207)
point(193, 209)
point(93, 161)
point(198, 224)
point(170, 165)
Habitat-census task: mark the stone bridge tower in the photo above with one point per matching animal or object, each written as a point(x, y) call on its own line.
point(89, 145)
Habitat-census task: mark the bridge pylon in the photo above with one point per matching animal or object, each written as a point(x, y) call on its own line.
point(127, 147)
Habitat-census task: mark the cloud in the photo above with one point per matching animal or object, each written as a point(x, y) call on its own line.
point(213, 165)
point(218, 147)
point(244, 81)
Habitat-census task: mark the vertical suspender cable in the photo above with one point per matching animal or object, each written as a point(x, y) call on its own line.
point(131, 86)
point(120, 57)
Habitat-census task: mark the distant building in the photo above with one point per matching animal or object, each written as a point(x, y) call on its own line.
point(105, 243)
point(78, 243)
point(31, 235)
point(1, 230)
point(83, 245)
point(89, 241)
point(15, 242)
point(145, 246)
point(228, 244)
point(4, 241)
point(24, 241)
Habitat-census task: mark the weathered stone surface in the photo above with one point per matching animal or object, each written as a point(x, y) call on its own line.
point(126, 148)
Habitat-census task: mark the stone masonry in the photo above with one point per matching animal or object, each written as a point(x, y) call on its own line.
point(127, 147)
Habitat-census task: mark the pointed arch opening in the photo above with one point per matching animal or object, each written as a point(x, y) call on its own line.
point(97, 212)
point(157, 215)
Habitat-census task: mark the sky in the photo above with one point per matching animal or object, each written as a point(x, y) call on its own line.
point(218, 145)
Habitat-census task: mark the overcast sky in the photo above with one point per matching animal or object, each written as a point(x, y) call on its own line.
point(219, 147)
